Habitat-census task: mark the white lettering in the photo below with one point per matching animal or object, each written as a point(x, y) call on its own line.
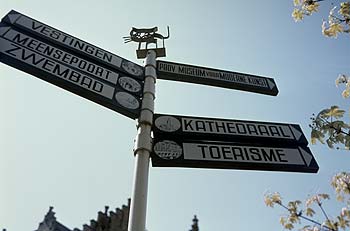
point(234, 153)
point(236, 128)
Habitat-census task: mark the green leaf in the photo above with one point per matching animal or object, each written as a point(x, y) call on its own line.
point(268, 201)
point(334, 111)
point(331, 224)
point(340, 138)
point(324, 113)
point(316, 135)
point(340, 124)
point(324, 196)
point(347, 214)
point(283, 221)
point(310, 212)
point(343, 223)
point(340, 198)
point(293, 218)
point(347, 142)
point(306, 228)
point(289, 226)
point(330, 143)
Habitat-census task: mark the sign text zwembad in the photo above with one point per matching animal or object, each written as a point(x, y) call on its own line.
point(52, 62)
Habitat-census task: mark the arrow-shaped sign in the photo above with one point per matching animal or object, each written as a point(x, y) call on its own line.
point(79, 46)
point(205, 154)
point(200, 128)
point(28, 55)
point(214, 77)
point(97, 71)
point(3, 28)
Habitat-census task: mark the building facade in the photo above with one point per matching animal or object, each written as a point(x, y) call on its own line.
point(116, 220)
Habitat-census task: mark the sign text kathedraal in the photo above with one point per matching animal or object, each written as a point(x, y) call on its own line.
point(201, 128)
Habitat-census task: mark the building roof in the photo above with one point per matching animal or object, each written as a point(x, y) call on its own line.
point(116, 220)
point(195, 224)
point(50, 223)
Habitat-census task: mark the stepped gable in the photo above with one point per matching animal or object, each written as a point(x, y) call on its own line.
point(116, 220)
point(109, 220)
point(195, 224)
point(50, 223)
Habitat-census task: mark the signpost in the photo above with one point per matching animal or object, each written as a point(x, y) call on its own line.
point(223, 155)
point(200, 128)
point(124, 86)
point(214, 77)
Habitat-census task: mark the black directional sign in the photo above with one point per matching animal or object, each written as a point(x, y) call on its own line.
point(110, 88)
point(76, 45)
point(200, 128)
point(214, 77)
point(222, 155)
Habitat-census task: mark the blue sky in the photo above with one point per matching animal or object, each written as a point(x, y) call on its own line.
point(58, 149)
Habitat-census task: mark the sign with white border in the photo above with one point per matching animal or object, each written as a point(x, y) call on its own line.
point(226, 155)
point(105, 92)
point(74, 44)
point(214, 77)
point(201, 128)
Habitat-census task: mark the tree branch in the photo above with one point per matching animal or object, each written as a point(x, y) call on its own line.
point(338, 130)
point(324, 212)
point(309, 219)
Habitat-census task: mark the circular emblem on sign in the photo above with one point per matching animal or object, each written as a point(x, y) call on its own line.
point(129, 84)
point(167, 150)
point(132, 68)
point(127, 100)
point(167, 123)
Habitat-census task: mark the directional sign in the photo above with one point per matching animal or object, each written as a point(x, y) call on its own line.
point(81, 47)
point(13, 35)
point(200, 128)
point(203, 154)
point(213, 77)
point(101, 85)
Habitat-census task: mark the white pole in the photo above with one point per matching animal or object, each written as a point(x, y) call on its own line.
point(143, 148)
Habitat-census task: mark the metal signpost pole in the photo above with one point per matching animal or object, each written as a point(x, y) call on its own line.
point(143, 147)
